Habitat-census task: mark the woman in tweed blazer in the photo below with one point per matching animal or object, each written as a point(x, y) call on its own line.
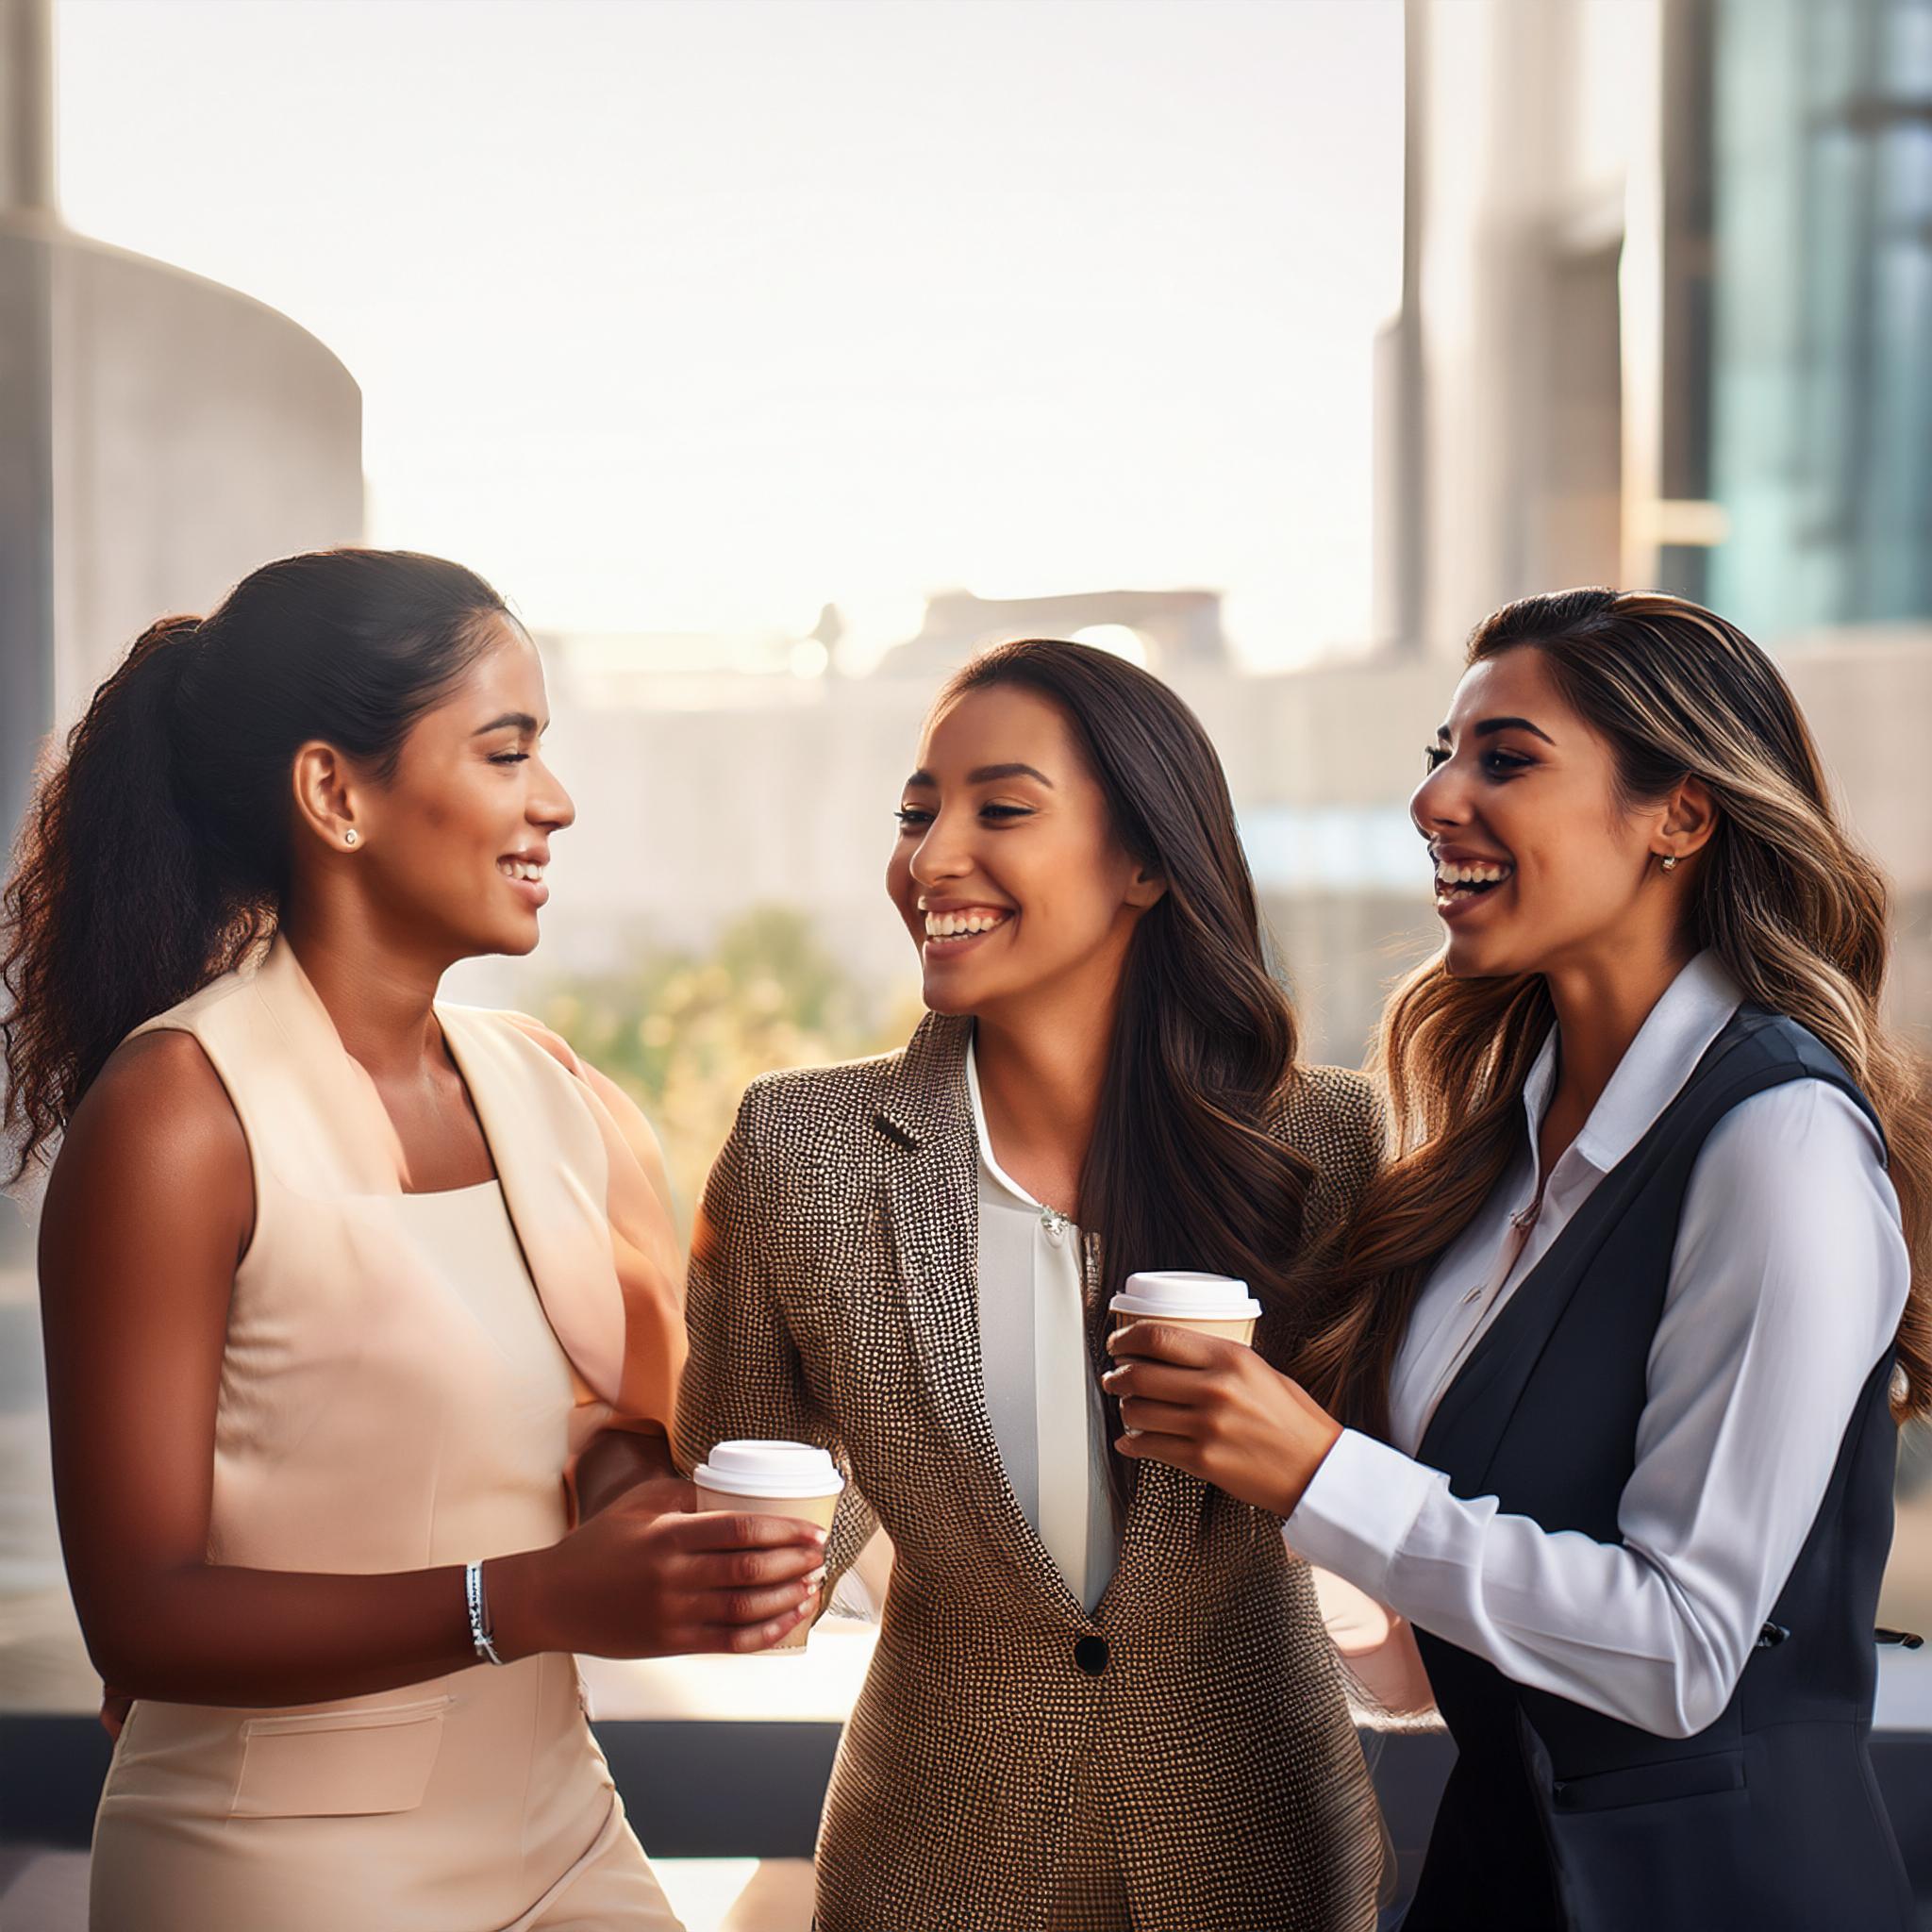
point(1178, 1756)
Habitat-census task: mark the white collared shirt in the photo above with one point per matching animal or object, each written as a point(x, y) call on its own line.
point(1787, 1282)
point(1042, 1395)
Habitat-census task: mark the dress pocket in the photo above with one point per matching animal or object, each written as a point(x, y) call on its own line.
point(338, 1763)
point(1649, 1784)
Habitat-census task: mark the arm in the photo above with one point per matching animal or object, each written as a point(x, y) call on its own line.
point(745, 1377)
point(1785, 1287)
point(148, 1213)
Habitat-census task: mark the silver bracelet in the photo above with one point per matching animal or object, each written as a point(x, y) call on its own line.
point(480, 1636)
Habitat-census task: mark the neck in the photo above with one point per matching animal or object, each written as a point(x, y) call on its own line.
point(1601, 1006)
point(1041, 1071)
point(379, 996)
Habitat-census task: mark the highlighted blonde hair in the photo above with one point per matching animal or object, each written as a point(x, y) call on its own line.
point(1795, 911)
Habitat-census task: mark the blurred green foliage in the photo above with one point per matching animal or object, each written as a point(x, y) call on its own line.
point(684, 1032)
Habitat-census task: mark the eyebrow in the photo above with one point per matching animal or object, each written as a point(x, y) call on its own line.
point(1490, 726)
point(522, 721)
point(982, 775)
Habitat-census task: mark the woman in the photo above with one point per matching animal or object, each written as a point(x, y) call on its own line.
point(1638, 1288)
point(1092, 1704)
point(343, 1288)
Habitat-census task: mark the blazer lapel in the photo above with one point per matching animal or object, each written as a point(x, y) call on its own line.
point(931, 1197)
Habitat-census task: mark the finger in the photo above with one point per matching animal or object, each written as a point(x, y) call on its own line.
point(1162, 1419)
point(1185, 1347)
point(723, 1529)
point(752, 1569)
point(753, 1636)
point(737, 1608)
point(1157, 1382)
point(1181, 1451)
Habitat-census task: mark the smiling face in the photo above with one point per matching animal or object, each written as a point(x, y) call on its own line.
point(454, 843)
point(1540, 863)
point(1007, 869)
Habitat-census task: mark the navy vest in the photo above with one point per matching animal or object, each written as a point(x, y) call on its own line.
point(1557, 1818)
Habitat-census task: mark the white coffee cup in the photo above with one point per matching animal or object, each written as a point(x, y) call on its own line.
point(1208, 1304)
point(772, 1478)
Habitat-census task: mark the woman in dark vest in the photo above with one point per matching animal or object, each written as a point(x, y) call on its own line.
point(1624, 1330)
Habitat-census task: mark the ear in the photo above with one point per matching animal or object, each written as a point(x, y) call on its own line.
point(1689, 818)
point(329, 797)
point(1145, 887)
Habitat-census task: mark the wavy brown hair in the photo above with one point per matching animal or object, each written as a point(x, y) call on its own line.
point(155, 854)
point(1182, 1171)
point(1784, 898)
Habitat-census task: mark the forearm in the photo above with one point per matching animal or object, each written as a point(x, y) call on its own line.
point(215, 1634)
point(1600, 1623)
point(615, 1460)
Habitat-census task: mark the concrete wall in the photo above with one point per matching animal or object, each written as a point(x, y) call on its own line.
point(159, 436)
point(196, 434)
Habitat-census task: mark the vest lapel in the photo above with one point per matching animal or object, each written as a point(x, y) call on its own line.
point(1469, 1420)
point(931, 1197)
point(554, 1169)
point(334, 1132)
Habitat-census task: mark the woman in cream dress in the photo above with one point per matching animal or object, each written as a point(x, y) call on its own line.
point(354, 1302)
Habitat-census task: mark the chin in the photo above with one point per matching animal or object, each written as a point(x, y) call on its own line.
point(1465, 962)
point(942, 999)
point(513, 941)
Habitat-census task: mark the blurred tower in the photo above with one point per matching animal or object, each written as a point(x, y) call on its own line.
point(160, 435)
point(1667, 312)
point(1668, 323)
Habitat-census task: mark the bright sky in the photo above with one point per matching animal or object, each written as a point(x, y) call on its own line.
point(695, 314)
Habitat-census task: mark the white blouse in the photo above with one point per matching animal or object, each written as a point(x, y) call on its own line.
point(1786, 1283)
point(1042, 1395)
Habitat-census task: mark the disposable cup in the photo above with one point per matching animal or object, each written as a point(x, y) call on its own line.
point(1208, 1304)
point(772, 1478)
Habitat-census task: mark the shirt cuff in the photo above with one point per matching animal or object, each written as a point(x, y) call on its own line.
point(1358, 1512)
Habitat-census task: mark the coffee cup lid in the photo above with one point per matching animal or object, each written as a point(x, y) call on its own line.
point(1175, 1294)
point(770, 1469)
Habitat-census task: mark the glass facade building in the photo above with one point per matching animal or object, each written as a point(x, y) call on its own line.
point(1819, 147)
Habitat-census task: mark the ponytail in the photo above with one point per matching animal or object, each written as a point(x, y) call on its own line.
point(156, 856)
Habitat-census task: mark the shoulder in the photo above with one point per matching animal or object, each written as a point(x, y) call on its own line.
point(1332, 1116)
point(800, 1106)
point(538, 1035)
point(633, 1126)
point(157, 1122)
point(1790, 1222)
point(1783, 1142)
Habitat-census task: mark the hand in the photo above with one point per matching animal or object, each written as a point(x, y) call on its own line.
point(1216, 1409)
point(641, 1580)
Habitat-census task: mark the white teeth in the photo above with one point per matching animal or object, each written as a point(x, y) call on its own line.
point(519, 869)
point(946, 926)
point(1480, 873)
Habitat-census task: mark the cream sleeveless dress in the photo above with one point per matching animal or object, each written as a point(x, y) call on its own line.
point(404, 1380)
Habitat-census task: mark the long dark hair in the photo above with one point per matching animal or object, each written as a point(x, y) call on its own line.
point(1783, 895)
point(156, 856)
point(1182, 1172)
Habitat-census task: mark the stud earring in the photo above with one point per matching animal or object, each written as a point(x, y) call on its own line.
point(352, 835)
point(1670, 863)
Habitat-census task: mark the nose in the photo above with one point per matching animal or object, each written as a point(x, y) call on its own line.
point(550, 805)
point(942, 855)
point(1439, 802)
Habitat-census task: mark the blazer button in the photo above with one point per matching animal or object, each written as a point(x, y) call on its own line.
point(1089, 1653)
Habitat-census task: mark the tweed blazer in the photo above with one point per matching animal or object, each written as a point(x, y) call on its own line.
point(833, 1299)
